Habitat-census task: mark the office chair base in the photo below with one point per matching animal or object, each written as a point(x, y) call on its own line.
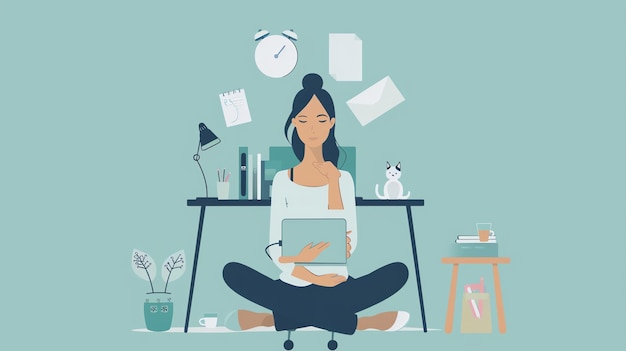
point(288, 344)
point(332, 344)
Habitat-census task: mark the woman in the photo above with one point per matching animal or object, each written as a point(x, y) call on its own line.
point(326, 297)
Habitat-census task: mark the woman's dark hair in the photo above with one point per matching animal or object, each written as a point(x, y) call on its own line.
point(312, 85)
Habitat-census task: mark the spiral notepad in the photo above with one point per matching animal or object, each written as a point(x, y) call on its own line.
point(235, 107)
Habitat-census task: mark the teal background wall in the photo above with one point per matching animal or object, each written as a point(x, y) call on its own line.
point(514, 113)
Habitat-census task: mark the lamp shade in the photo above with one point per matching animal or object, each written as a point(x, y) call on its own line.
point(207, 138)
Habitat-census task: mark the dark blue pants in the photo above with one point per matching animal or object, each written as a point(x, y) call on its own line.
point(330, 308)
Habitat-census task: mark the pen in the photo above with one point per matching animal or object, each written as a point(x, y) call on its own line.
point(224, 174)
point(218, 175)
point(228, 176)
point(473, 303)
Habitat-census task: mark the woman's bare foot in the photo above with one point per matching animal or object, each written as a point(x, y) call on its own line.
point(383, 321)
point(249, 319)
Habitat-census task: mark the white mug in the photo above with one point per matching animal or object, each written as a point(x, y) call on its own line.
point(209, 322)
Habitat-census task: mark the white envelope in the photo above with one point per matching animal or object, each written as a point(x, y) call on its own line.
point(345, 62)
point(375, 101)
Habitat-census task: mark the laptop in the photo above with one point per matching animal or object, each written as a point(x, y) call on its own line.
point(299, 232)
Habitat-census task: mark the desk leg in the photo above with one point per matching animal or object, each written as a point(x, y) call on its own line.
point(452, 298)
point(195, 264)
point(499, 305)
point(417, 268)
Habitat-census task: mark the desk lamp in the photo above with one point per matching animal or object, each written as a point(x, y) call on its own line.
point(207, 140)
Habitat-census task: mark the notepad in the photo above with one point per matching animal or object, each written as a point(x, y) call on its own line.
point(235, 107)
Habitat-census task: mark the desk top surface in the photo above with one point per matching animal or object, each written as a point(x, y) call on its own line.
point(213, 201)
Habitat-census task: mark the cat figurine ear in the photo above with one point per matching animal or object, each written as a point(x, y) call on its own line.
point(388, 165)
point(398, 166)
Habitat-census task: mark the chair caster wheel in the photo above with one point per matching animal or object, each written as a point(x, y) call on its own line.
point(332, 345)
point(288, 344)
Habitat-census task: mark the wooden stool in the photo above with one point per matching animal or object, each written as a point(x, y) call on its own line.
point(493, 261)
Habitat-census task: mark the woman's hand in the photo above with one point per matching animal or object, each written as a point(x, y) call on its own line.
point(348, 246)
point(329, 280)
point(310, 252)
point(328, 170)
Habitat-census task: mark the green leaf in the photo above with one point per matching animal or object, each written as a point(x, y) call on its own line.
point(143, 265)
point(174, 266)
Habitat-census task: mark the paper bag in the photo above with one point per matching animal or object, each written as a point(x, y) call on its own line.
point(470, 323)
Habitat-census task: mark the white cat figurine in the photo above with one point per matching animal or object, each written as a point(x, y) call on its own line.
point(393, 187)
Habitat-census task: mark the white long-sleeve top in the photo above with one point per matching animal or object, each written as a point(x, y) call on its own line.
point(291, 200)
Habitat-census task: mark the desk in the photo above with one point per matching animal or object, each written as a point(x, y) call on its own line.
point(493, 261)
point(204, 202)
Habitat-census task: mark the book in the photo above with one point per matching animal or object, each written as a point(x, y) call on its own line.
point(475, 240)
point(250, 178)
point(474, 250)
point(235, 107)
point(463, 237)
point(270, 168)
point(254, 183)
point(243, 172)
point(264, 185)
point(259, 172)
point(268, 172)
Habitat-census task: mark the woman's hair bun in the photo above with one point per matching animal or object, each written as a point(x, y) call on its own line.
point(312, 81)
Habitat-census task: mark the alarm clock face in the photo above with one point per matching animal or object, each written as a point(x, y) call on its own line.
point(276, 56)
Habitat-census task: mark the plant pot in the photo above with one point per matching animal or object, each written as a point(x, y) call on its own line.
point(158, 315)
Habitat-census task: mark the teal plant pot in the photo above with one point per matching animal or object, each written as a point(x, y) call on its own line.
point(158, 315)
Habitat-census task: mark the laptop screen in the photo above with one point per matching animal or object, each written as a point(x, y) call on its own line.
point(300, 232)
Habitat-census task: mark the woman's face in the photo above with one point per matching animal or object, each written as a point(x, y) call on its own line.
point(313, 123)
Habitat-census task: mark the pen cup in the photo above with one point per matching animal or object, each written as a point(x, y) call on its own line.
point(222, 190)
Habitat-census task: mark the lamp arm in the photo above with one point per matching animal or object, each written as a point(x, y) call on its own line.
point(196, 158)
point(206, 188)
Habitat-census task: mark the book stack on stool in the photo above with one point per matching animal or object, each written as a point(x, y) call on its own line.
point(471, 246)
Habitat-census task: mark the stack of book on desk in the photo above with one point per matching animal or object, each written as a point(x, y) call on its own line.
point(255, 175)
point(471, 246)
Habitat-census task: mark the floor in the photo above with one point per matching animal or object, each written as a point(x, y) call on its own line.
point(265, 329)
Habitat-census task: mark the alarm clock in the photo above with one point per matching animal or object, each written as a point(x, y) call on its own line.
point(275, 55)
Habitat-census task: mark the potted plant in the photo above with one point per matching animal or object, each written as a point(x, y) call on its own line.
point(158, 313)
